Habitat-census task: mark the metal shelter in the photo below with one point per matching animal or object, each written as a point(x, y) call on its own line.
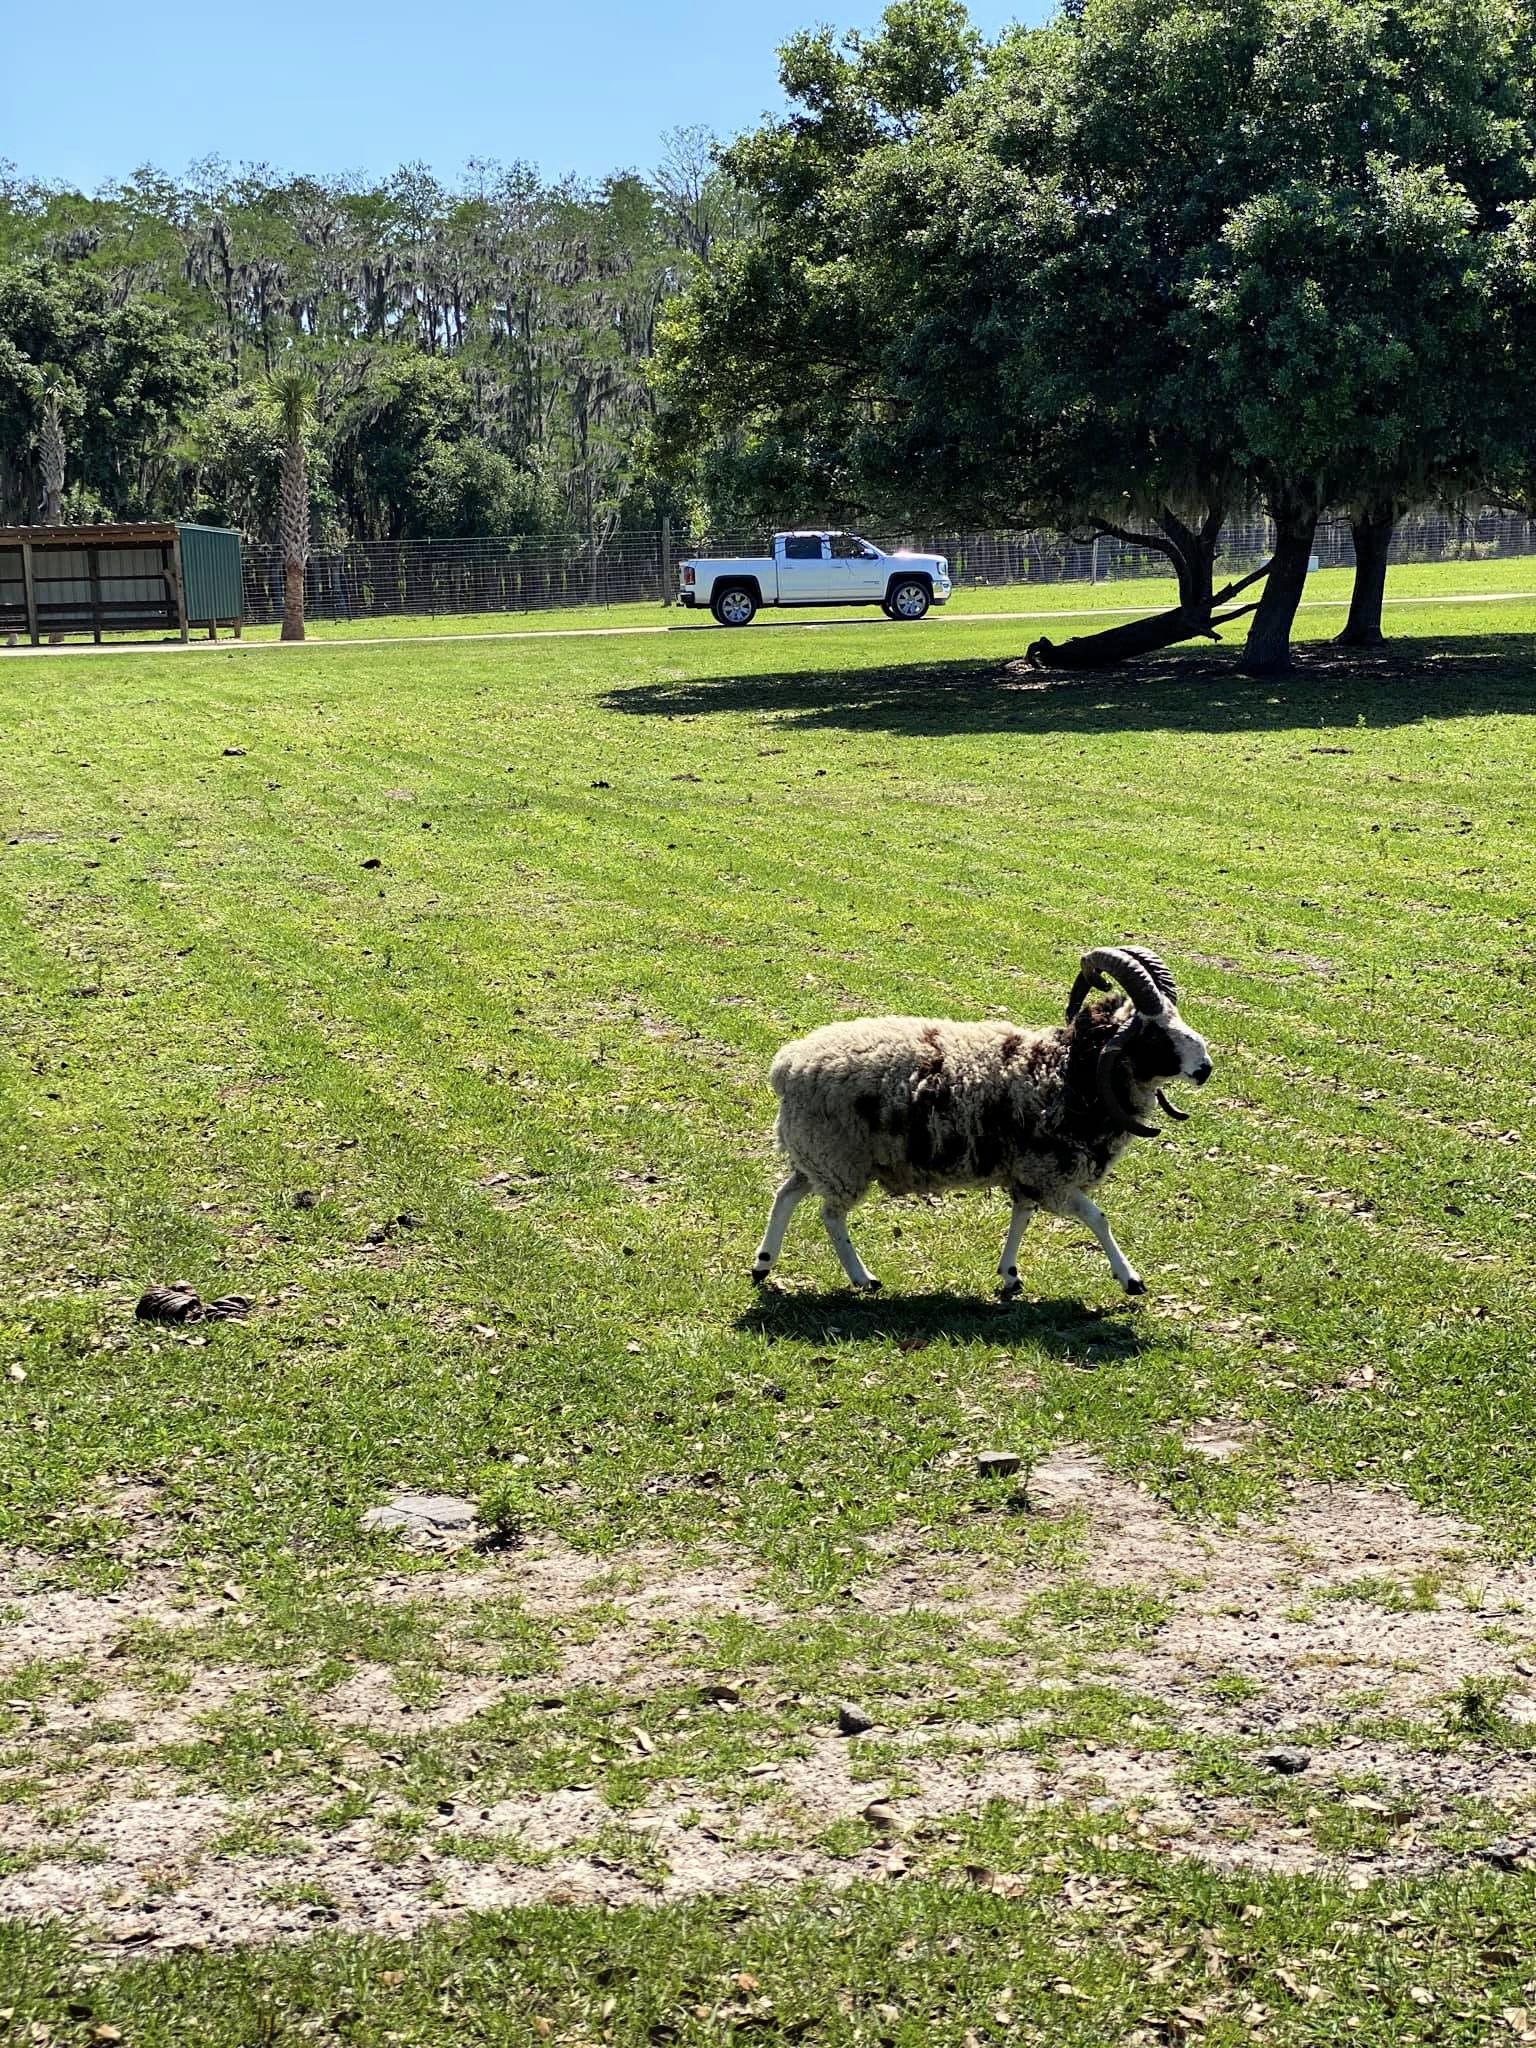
point(119, 579)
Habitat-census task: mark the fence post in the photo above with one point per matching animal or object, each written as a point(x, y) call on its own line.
point(666, 562)
point(29, 591)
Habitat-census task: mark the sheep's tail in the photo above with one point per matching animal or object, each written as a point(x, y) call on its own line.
point(778, 1073)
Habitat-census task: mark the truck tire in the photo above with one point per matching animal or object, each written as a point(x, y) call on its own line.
point(908, 598)
point(734, 605)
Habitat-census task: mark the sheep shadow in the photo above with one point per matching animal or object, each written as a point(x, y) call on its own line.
point(1063, 1325)
point(1187, 690)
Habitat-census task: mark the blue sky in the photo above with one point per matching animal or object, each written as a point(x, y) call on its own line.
point(587, 86)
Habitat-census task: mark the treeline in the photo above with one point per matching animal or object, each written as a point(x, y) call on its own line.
point(477, 352)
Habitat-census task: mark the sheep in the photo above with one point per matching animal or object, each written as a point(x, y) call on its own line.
point(920, 1105)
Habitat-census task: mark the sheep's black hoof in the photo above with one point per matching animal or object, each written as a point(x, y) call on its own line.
point(760, 1275)
point(1135, 1286)
point(1011, 1289)
point(871, 1286)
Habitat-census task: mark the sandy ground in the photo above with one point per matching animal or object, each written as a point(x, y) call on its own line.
point(1347, 1627)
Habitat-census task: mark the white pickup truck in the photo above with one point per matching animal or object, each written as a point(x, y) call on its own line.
point(815, 568)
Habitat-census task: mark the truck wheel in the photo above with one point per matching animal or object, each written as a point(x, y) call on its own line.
point(734, 606)
point(908, 599)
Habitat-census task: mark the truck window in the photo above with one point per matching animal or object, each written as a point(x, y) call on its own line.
point(802, 547)
point(847, 547)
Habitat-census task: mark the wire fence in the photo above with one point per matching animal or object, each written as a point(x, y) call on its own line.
point(383, 579)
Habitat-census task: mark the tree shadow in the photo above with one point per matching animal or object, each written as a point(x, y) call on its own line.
point(1187, 690)
point(1063, 1325)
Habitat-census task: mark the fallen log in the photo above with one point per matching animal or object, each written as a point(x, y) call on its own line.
point(1145, 636)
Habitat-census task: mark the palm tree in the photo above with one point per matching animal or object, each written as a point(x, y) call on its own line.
point(294, 396)
point(50, 452)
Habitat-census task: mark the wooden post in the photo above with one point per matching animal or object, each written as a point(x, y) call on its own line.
point(173, 576)
point(93, 564)
point(30, 588)
point(667, 594)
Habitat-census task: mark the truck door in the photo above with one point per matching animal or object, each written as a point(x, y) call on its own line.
point(860, 571)
point(805, 570)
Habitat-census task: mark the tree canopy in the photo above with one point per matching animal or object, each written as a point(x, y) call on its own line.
point(478, 351)
point(1137, 269)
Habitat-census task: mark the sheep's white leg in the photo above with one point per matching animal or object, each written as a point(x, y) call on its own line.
point(1008, 1264)
point(836, 1221)
point(1091, 1214)
point(785, 1203)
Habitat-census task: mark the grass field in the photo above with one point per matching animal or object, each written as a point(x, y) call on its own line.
point(265, 1776)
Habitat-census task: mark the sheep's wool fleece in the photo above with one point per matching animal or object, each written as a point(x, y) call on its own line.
point(915, 1103)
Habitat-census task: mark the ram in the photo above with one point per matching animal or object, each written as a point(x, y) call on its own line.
point(917, 1106)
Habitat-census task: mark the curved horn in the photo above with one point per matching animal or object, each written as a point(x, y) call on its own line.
point(1180, 1116)
point(1131, 973)
point(1158, 972)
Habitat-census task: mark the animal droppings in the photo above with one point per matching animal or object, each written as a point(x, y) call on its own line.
point(229, 1308)
point(176, 1304)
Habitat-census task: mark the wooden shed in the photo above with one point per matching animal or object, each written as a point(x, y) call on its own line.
point(119, 579)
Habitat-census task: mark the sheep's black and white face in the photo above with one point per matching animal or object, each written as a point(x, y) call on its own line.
point(1165, 1049)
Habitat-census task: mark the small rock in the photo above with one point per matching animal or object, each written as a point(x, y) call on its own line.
point(880, 1814)
point(998, 1464)
point(406, 1221)
point(853, 1720)
point(720, 1695)
point(373, 862)
point(425, 1514)
point(306, 1198)
point(234, 753)
point(1288, 1762)
point(1503, 1855)
point(179, 1303)
point(380, 1234)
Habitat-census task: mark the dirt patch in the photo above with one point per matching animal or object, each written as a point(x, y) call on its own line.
point(56, 1623)
point(370, 1698)
point(1350, 1605)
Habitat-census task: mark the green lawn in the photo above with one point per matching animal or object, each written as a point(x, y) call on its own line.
point(613, 875)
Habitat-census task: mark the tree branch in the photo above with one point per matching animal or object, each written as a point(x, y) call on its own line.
point(1208, 630)
point(1137, 540)
point(1233, 589)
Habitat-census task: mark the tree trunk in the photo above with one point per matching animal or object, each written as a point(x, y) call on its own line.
point(1119, 643)
point(293, 601)
point(1268, 652)
point(1373, 529)
point(1192, 553)
point(293, 526)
